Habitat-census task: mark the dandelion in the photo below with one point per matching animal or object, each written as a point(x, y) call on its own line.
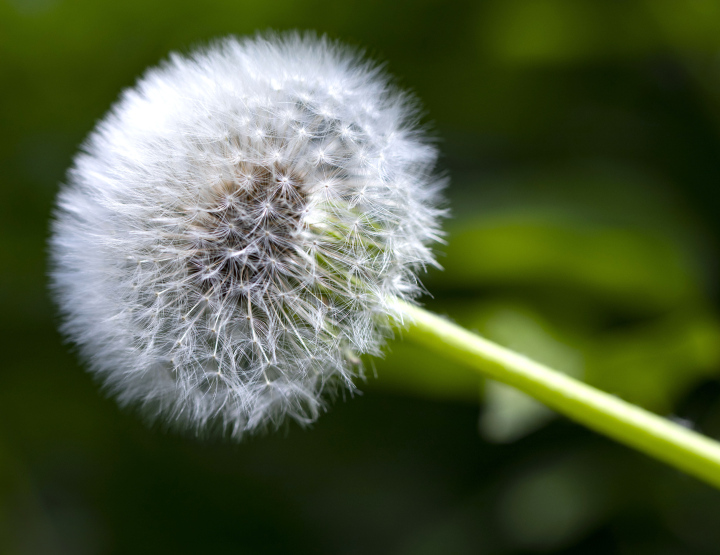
point(247, 221)
point(231, 232)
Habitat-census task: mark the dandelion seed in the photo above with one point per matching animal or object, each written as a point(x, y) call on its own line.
point(229, 236)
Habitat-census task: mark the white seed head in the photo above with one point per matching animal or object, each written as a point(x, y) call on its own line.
point(232, 231)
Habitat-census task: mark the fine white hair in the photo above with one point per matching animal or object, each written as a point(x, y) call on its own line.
point(231, 232)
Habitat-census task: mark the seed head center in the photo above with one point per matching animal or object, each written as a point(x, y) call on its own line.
point(247, 227)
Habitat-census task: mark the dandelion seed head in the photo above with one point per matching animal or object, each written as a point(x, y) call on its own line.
point(230, 234)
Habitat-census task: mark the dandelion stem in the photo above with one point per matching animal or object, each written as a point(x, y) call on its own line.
point(658, 437)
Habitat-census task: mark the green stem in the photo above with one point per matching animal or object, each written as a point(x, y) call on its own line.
point(656, 436)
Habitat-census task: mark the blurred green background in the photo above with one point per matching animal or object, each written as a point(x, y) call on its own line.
point(582, 138)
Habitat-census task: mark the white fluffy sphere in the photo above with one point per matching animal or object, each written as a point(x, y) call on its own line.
point(232, 230)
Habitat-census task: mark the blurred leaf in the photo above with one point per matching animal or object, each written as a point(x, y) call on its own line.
point(624, 266)
point(507, 413)
point(657, 363)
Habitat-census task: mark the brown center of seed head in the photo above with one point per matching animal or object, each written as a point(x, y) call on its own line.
point(246, 231)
